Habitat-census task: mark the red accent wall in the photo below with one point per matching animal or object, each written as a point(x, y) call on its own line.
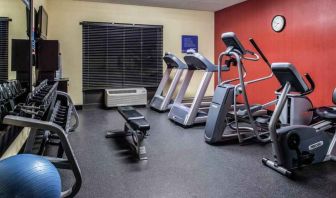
point(308, 41)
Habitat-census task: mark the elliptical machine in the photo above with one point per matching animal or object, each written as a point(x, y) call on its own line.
point(227, 120)
point(298, 145)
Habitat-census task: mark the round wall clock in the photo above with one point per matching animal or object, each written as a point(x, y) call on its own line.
point(278, 23)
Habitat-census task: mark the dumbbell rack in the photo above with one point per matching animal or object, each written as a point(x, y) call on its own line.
point(41, 113)
point(63, 114)
point(37, 105)
point(10, 93)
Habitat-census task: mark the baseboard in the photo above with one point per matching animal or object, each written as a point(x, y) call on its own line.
point(114, 108)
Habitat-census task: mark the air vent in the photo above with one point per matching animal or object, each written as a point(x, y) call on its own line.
point(125, 97)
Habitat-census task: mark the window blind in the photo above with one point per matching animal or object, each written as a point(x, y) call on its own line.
point(121, 55)
point(4, 48)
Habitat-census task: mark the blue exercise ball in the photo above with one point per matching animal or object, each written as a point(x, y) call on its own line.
point(29, 176)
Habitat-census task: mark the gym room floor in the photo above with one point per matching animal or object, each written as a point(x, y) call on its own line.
point(180, 164)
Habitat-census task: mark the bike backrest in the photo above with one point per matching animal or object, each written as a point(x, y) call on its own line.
point(286, 72)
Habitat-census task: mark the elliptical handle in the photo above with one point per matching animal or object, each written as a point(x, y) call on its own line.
point(260, 52)
point(311, 82)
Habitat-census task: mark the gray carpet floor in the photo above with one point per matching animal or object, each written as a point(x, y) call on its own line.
point(182, 165)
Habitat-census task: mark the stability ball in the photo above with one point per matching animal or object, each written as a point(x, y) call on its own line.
point(28, 175)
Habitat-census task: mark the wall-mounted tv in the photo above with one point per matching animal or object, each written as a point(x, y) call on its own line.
point(42, 23)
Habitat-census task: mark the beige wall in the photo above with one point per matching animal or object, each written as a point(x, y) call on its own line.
point(65, 16)
point(16, 10)
point(38, 3)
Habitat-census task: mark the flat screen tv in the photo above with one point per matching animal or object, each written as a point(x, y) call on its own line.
point(42, 23)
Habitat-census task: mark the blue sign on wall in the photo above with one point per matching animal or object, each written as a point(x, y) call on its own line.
point(189, 42)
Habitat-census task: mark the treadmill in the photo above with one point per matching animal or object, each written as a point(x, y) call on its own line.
point(190, 115)
point(160, 102)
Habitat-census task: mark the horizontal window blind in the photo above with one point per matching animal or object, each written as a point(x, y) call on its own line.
point(121, 55)
point(4, 48)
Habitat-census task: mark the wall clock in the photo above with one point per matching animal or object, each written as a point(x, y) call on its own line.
point(278, 23)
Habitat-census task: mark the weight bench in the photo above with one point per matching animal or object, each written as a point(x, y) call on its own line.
point(136, 126)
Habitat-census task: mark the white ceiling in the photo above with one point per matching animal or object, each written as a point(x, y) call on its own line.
point(206, 5)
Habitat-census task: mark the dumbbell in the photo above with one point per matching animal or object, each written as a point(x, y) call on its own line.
point(39, 108)
point(60, 115)
point(4, 92)
point(62, 112)
point(2, 98)
point(63, 108)
point(8, 90)
point(63, 120)
point(44, 89)
point(36, 100)
point(38, 113)
point(18, 87)
point(40, 91)
point(60, 120)
point(62, 124)
point(12, 87)
point(42, 84)
point(38, 96)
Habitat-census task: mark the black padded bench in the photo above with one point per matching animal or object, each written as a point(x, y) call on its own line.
point(136, 126)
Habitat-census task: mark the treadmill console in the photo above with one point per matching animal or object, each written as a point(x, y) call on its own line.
point(197, 61)
point(173, 62)
point(230, 40)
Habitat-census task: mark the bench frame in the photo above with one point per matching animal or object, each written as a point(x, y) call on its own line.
point(137, 136)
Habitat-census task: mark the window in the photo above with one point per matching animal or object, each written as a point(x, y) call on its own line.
point(4, 48)
point(121, 55)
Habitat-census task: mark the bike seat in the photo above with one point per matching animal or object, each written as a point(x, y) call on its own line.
point(326, 112)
